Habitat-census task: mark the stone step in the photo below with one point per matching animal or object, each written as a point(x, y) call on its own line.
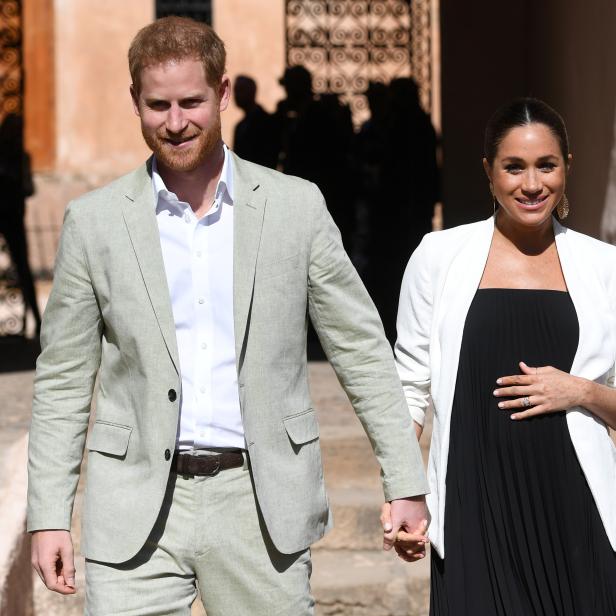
point(369, 583)
point(348, 459)
point(356, 520)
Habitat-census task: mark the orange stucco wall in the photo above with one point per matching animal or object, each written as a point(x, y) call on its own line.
point(97, 132)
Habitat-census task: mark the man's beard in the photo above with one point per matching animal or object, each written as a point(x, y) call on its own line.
point(205, 142)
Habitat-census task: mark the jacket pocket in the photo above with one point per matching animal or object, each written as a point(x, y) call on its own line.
point(302, 427)
point(278, 267)
point(109, 438)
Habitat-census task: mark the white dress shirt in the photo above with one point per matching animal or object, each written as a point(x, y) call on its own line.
point(198, 258)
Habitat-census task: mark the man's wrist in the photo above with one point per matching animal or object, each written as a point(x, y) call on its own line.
point(419, 498)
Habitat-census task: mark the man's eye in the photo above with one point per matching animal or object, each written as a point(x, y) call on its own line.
point(191, 103)
point(158, 105)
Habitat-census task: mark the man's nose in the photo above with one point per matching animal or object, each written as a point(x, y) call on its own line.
point(176, 119)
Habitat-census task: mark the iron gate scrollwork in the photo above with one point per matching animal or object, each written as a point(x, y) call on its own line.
point(345, 44)
point(12, 309)
point(200, 10)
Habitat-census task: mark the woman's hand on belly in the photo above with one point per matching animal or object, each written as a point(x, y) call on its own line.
point(541, 390)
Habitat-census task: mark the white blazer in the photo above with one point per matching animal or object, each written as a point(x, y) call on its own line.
point(439, 284)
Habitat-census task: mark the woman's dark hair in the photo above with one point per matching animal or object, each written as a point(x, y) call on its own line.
point(521, 112)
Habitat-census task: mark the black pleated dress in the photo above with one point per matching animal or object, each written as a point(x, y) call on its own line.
point(523, 536)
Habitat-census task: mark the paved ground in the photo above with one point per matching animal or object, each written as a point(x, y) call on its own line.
point(342, 435)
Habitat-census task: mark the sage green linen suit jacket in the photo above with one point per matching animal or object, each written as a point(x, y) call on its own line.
point(110, 313)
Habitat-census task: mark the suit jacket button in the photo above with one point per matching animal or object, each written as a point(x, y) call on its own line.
point(172, 395)
point(167, 454)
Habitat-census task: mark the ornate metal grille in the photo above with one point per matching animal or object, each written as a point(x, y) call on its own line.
point(12, 308)
point(10, 58)
point(345, 44)
point(201, 10)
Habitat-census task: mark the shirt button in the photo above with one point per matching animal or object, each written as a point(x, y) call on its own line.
point(202, 390)
point(172, 395)
point(201, 300)
point(167, 454)
point(198, 253)
point(203, 345)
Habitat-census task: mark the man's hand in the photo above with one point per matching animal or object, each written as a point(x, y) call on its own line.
point(52, 558)
point(405, 522)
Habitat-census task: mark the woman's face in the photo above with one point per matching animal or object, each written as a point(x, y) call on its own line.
point(528, 174)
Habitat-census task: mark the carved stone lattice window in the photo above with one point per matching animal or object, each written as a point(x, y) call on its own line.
point(201, 10)
point(345, 44)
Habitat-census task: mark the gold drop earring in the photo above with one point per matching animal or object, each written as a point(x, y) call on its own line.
point(562, 209)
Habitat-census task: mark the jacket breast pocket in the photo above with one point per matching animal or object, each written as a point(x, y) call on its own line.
point(109, 438)
point(278, 267)
point(302, 427)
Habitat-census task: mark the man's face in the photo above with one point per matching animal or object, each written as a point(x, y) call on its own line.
point(180, 113)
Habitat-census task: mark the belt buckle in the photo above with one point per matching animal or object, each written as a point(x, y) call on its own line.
point(216, 469)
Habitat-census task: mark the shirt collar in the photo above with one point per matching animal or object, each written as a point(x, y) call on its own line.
point(224, 187)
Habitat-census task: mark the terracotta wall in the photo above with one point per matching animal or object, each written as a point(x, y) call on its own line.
point(254, 36)
point(39, 83)
point(97, 132)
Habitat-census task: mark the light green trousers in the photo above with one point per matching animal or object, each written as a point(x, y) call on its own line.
point(210, 533)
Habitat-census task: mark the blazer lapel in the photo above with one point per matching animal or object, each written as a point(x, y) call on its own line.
point(461, 283)
point(139, 210)
point(595, 318)
point(248, 210)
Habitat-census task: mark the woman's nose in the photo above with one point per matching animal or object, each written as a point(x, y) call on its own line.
point(531, 183)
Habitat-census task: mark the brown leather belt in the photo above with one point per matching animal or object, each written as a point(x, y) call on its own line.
point(209, 465)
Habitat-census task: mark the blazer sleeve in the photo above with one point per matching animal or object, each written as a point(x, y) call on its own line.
point(63, 385)
point(412, 348)
point(352, 337)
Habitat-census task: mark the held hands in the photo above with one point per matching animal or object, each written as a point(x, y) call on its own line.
point(52, 558)
point(538, 391)
point(405, 522)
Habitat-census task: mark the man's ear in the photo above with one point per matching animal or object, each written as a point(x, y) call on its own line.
point(224, 92)
point(135, 98)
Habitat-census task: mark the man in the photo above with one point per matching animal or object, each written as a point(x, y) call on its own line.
point(186, 285)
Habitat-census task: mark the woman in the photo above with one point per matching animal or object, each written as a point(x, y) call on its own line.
point(509, 324)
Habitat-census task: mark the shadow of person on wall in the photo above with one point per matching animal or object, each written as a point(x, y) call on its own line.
point(15, 185)
point(255, 136)
point(316, 139)
point(408, 177)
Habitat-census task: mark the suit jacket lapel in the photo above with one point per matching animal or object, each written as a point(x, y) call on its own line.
point(248, 210)
point(139, 210)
